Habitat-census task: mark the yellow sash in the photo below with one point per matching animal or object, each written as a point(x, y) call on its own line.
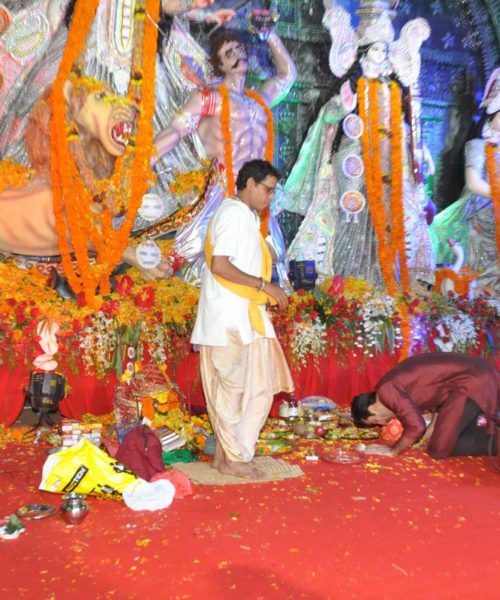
point(244, 291)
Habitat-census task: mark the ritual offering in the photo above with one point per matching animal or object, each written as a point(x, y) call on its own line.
point(36, 511)
point(73, 431)
point(11, 528)
point(267, 447)
point(391, 432)
point(74, 508)
point(342, 457)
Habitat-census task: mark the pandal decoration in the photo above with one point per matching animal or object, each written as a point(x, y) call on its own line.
point(73, 202)
point(228, 147)
point(494, 181)
point(391, 245)
point(461, 280)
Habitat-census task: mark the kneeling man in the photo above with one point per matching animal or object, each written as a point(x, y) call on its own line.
point(242, 364)
point(460, 390)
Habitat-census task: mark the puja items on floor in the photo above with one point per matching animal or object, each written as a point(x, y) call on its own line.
point(73, 431)
point(154, 392)
point(85, 469)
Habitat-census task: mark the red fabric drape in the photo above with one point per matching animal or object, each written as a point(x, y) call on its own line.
point(12, 384)
point(88, 395)
point(91, 395)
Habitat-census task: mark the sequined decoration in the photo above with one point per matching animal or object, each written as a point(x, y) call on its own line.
point(28, 36)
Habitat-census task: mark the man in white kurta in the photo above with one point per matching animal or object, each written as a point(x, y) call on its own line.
point(241, 368)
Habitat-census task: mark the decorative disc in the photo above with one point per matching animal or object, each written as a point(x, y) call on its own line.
point(353, 126)
point(352, 202)
point(151, 208)
point(148, 254)
point(353, 166)
point(28, 36)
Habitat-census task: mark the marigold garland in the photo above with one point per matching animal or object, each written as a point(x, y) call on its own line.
point(461, 280)
point(72, 200)
point(494, 181)
point(370, 142)
point(13, 175)
point(391, 244)
point(228, 147)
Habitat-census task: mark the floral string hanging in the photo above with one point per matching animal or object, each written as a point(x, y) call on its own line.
point(77, 221)
point(228, 147)
point(389, 229)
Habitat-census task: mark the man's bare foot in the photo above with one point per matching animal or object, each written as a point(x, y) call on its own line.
point(240, 469)
point(218, 456)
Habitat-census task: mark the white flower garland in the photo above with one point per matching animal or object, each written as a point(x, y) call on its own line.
point(309, 339)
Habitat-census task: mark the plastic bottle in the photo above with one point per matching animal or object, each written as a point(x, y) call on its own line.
point(293, 410)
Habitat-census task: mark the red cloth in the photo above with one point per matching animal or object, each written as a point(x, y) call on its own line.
point(442, 382)
point(12, 399)
point(95, 396)
point(87, 394)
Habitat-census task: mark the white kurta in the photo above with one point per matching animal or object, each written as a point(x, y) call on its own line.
point(235, 233)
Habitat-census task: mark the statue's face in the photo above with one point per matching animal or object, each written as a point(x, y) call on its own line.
point(233, 58)
point(377, 53)
point(111, 122)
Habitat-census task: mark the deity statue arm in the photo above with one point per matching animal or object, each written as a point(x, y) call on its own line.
point(333, 111)
point(185, 122)
point(162, 271)
point(198, 10)
point(476, 184)
point(276, 88)
point(175, 7)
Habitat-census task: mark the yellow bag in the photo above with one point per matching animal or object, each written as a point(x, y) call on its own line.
point(86, 469)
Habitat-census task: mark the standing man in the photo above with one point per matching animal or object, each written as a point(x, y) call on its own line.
point(460, 390)
point(242, 363)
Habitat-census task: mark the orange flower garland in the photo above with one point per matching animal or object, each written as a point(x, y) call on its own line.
point(461, 280)
point(72, 200)
point(494, 181)
point(370, 142)
point(228, 147)
point(391, 243)
point(13, 175)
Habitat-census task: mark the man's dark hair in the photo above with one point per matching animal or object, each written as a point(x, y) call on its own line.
point(216, 45)
point(359, 407)
point(258, 170)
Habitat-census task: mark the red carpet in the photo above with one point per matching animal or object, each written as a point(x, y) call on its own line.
point(408, 527)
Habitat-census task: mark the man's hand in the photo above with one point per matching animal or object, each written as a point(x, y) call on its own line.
point(277, 293)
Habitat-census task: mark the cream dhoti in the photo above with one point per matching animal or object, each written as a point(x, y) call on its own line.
point(239, 381)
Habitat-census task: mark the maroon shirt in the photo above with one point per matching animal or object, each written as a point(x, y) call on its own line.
point(439, 382)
